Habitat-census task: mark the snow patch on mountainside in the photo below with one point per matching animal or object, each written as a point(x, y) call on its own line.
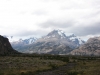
point(80, 41)
point(30, 40)
point(77, 38)
point(25, 41)
point(55, 40)
point(69, 34)
point(74, 38)
point(60, 32)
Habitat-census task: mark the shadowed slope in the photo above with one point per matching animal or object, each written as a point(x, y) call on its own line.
point(5, 47)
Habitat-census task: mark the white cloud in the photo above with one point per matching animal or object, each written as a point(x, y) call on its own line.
point(18, 17)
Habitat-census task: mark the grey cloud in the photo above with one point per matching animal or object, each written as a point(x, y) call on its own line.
point(25, 33)
point(97, 13)
point(79, 30)
point(57, 24)
point(93, 14)
point(22, 33)
point(92, 29)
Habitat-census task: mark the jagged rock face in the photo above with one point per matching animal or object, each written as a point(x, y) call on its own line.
point(56, 42)
point(5, 46)
point(61, 37)
point(49, 47)
point(57, 33)
point(76, 40)
point(57, 37)
point(92, 47)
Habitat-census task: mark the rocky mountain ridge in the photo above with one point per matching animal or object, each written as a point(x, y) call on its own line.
point(91, 48)
point(55, 42)
point(18, 45)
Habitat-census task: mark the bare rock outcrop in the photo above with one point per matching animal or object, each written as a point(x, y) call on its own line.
point(5, 47)
point(91, 48)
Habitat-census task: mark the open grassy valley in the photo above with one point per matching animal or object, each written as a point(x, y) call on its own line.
point(10, 65)
point(35, 64)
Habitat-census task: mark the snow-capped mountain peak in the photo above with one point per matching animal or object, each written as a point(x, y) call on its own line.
point(30, 40)
point(76, 39)
point(55, 40)
point(70, 34)
point(56, 34)
point(25, 41)
point(61, 33)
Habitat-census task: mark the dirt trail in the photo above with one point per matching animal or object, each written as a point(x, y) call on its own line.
point(59, 71)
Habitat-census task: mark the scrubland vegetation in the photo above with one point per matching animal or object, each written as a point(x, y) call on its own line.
point(33, 64)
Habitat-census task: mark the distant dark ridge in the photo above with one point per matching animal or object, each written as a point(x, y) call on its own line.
point(5, 47)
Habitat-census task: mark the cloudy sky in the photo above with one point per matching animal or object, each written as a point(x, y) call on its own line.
point(26, 18)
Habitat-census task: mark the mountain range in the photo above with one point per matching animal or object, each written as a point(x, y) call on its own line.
point(21, 44)
point(55, 42)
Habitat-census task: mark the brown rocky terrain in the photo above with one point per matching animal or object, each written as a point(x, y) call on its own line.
point(92, 47)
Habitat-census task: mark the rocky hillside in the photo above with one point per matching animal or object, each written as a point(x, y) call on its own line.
point(5, 46)
point(92, 47)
